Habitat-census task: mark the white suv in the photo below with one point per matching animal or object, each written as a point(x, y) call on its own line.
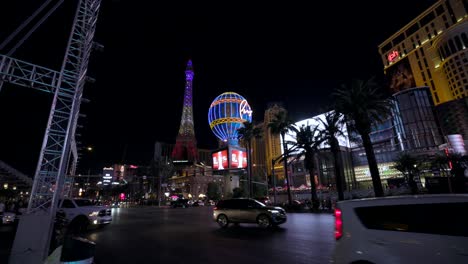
point(403, 229)
point(81, 213)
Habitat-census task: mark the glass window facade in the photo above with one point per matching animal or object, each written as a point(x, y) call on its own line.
point(416, 123)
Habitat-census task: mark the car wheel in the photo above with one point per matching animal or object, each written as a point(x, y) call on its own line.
point(263, 221)
point(223, 221)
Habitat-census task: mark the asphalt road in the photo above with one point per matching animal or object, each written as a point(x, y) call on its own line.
point(189, 235)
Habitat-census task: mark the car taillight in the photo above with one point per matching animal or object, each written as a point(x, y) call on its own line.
point(215, 208)
point(338, 224)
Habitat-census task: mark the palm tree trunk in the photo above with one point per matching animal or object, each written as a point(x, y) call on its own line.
point(285, 162)
point(412, 184)
point(313, 187)
point(374, 170)
point(313, 190)
point(338, 168)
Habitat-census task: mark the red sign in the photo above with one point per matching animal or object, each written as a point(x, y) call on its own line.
point(220, 160)
point(238, 159)
point(392, 56)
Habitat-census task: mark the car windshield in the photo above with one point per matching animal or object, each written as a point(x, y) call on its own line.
point(84, 202)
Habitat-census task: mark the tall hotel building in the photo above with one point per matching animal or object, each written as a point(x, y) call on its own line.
point(272, 141)
point(432, 51)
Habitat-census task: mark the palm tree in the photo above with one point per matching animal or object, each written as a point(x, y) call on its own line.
point(281, 124)
point(364, 106)
point(409, 167)
point(308, 143)
point(247, 133)
point(332, 127)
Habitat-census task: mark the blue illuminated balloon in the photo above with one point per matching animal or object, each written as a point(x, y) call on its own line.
point(227, 113)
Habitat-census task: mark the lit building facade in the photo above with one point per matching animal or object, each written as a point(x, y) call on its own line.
point(272, 141)
point(259, 158)
point(415, 121)
point(431, 51)
point(191, 182)
point(453, 117)
point(412, 127)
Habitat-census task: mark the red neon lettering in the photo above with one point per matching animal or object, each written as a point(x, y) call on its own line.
point(392, 56)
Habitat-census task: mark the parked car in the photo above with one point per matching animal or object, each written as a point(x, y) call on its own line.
point(265, 200)
point(82, 213)
point(199, 203)
point(404, 229)
point(243, 210)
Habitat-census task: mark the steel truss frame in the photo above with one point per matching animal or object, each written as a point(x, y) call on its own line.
point(59, 145)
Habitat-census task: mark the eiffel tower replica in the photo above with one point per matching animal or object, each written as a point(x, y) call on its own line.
point(186, 144)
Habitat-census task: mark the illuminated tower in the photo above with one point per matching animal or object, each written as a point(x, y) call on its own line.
point(186, 144)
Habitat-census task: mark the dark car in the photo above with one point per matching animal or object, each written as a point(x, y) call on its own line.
point(180, 203)
point(244, 210)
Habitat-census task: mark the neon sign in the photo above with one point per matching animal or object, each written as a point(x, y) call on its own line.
point(392, 55)
point(238, 159)
point(220, 160)
point(244, 108)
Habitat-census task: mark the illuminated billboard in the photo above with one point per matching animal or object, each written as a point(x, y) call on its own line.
point(220, 160)
point(343, 140)
point(400, 76)
point(238, 159)
point(229, 158)
point(108, 175)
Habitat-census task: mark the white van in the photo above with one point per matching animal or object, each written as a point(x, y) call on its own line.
point(402, 229)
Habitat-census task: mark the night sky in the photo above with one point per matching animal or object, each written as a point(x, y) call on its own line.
point(295, 52)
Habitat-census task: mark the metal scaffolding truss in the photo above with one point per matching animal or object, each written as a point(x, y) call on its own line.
point(59, 145)
point(26, 74)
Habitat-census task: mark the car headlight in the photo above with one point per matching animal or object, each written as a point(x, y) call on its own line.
point(94, 214)
point(274, 211)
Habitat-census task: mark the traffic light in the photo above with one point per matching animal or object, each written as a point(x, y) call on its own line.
point(230, 178)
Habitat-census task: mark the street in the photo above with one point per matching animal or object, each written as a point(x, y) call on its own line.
point(189, 235)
